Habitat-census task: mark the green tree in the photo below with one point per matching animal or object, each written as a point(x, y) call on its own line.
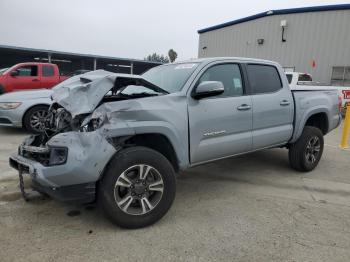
point(157, 58)
point(172, 55)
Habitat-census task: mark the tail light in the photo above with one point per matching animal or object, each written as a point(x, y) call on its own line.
point(340, 102)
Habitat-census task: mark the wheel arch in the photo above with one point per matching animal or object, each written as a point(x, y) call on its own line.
point(318, 118)
point(156, 141)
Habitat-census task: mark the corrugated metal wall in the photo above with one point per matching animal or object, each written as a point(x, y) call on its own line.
point(320, 36)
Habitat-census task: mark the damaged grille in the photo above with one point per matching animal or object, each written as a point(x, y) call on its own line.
point(38, 154)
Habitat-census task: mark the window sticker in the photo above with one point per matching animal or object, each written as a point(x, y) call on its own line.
point(237, 83)
point(185, 66)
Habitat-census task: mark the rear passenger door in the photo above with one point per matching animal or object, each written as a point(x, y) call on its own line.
point(48, 78)
point(273, 107)
point(221, 125)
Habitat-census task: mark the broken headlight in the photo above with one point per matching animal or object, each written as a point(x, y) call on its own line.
point(93, 122)
point(58, 156)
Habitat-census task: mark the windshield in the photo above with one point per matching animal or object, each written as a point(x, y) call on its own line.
point(3, 70)
point(170, 77)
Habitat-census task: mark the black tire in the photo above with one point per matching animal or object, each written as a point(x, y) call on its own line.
point(299, 152)
point(2, 90)
point(123, 161)
point(28, 116)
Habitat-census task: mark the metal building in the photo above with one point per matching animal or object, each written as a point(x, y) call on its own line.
point(314, 40)
point(70, 62)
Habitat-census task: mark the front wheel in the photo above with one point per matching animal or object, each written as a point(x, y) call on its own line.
point(306, 152)
point(137, 188)
point(34, 119)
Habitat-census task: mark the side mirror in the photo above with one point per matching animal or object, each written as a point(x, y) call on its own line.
point(14, 73)
point(207, 89)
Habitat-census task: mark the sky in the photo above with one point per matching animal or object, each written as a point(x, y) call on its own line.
point(128, 29)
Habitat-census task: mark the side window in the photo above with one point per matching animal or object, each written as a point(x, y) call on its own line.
point(27, 71)
point(48, 70)
point(304, 78)
point(263, 78)
point(229, 75)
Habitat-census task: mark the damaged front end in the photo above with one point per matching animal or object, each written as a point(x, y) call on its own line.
point(67, 159)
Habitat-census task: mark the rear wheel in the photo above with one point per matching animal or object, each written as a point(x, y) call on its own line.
point(34, 119)
point(306, 152)
point(2, 90)
point(138, 187)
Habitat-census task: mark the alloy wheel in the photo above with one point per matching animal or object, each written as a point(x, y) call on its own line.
point(312, 150)
point(138, 189)
point(37, 120)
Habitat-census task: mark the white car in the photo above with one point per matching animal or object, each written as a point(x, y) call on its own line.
point(304, 81)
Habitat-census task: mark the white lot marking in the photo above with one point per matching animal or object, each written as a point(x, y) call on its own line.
point(336, 147)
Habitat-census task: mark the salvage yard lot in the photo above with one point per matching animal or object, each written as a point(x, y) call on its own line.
point(248, 208)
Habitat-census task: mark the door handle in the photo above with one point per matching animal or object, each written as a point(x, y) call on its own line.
point(35, 80)
point(285, 103)
point(243, 107)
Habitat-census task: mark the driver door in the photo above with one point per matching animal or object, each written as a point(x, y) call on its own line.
point(221, 125)
point(27, 78)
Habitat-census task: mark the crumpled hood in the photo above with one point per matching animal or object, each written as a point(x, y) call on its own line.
point(82, 94)
point(25, 95)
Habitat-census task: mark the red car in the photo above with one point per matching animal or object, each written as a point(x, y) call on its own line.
point(29, 76)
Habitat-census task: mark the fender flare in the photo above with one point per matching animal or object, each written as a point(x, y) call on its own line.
point(299, 127)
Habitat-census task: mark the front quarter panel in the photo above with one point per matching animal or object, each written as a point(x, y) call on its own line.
point(88, 154)
point(165, 115)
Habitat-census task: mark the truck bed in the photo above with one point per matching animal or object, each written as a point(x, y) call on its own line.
point(309, 101)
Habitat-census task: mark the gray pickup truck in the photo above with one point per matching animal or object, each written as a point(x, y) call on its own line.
point(120, 139)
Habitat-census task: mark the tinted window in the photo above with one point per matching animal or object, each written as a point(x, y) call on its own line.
point(263, 79)
point(229, 75)
point(27, 71)
point(305, 78)
point(48, 70)
point(289, 77)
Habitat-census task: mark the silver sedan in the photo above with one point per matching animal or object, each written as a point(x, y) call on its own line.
point(26, 109)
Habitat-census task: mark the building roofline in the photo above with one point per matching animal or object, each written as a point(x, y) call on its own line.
point(75, 54)
point(278, 12)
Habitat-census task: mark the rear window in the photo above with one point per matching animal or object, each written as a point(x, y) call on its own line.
point(263, 78)
point(48, 70)
point(304, 78)
point(289, 77)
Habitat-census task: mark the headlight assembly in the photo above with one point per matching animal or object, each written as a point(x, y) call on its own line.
point(58, 156)
point(9, 105)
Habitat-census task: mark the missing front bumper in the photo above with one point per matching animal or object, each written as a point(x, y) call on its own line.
point(75, 194)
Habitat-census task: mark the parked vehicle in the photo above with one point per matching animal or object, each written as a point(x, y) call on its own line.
point(27, 109)
point(304, 81)
point(121, 138)
point(27, 76)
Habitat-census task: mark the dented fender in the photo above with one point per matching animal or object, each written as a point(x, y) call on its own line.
point(88, 154)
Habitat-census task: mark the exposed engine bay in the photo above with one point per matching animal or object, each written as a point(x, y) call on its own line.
point(75, 101)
